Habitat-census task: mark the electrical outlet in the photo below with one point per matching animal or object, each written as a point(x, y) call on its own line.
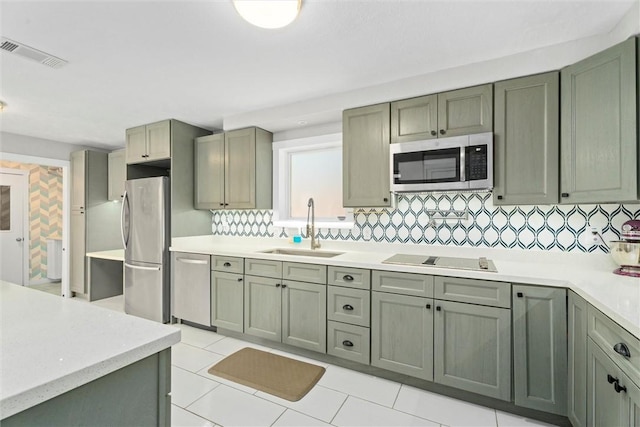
point(590, 237)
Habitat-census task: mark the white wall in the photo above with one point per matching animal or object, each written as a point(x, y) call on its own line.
point(326, 111)
point(30, 146)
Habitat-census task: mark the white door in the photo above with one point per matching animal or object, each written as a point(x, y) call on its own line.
point(13, 236)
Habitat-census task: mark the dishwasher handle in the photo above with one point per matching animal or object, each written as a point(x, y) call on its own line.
point(192, 261)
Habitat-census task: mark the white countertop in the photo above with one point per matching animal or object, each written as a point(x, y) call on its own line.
point(114, 254)
point(50, 345)
point(589, 275)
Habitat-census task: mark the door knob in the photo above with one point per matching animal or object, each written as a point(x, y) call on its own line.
point(19, 239)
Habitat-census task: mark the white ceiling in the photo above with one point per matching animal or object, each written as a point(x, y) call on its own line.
point(132, 63)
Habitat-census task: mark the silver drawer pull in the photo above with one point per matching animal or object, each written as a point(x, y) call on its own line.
point(192, 261)
point(347, 307)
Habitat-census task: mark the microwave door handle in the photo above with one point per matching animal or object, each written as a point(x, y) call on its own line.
point(463, 177)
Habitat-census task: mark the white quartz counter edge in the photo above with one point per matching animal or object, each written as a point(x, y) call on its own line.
point(51, 345)
point(616, 296)
point(114, 255)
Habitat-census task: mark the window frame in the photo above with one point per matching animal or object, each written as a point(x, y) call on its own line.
point(282, 151)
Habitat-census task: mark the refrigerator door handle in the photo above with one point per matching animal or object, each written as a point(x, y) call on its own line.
point(125, 201)
point(138, 267)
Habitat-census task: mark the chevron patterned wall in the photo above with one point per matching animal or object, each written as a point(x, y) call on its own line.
point(548, 227)
point(45, 213)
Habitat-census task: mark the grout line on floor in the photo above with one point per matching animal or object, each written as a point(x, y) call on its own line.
point(339, 409)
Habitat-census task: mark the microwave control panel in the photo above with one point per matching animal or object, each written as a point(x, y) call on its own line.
point(476, 162)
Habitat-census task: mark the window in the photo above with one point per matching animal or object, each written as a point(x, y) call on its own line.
point(305, 168)
point(5, 207)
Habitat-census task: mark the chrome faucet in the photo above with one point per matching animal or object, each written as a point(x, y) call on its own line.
point(311, 227)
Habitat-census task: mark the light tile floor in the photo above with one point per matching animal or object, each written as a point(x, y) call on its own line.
point(341, 398)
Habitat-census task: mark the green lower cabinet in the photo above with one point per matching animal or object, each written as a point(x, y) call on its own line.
point(472, 348)
point(577, 376)
point(540, 348)
point(227, 310)
point(263, 307)
point(304, 315)
point(402, 334)
point(612, 398)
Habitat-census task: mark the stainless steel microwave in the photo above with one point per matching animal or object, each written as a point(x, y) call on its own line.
point(455, 163)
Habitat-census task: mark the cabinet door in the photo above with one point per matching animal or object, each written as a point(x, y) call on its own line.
point(402, 334)
point(304, 315)
point(526, 140)
point(191, 287)
point(77, 254)
point(365, 156)
point(117, 175)
point(605, 407)
point(577, 385)
point(240, 169)
point(472, 348)
point(136, 145)
point(78, 168)
point(465, 111)
point(209, 172)
point(599, 148)
point(159, 140)
point(263, 307)
point(227, 308)
point(414, 119)
point(540, 348)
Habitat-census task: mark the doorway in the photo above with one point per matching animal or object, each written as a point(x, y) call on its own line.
point(49, 221)
point(14, 236)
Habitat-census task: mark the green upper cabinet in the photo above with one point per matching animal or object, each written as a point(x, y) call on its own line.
point(414, 119)
point(599, 145)
point(526, 140)
point(365, 156)
point(149, 142)
point(465, 111)
point(458, 112)
point(233, 170)
point(540, 348)
point(209, 172)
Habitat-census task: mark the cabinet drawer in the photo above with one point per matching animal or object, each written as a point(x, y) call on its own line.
point(349, 305)
point(607, 334)
point(484, 292)
point(227, 264)
point(349, 277)
point(263, 267)
point(312, 273)
point(402, 283)
point(348, 342)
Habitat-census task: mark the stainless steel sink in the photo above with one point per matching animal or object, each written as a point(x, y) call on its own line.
point(302, 252)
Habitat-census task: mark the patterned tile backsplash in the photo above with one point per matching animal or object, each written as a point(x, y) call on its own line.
point(544, 227)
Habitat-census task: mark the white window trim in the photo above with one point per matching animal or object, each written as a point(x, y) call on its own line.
point(282, 151)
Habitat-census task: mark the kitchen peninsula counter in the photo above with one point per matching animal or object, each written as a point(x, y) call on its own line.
point(589, 275)
point(51, 346)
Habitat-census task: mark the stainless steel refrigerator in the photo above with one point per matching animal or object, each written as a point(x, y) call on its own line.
point(145, 236)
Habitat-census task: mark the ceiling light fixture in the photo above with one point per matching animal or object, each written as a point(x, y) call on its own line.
point(268, 13)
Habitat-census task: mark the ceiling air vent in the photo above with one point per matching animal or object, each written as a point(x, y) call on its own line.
point(31, 53)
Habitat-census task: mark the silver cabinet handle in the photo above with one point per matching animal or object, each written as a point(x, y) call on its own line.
point(192, 261)
point(19, 239)
point(138, 267)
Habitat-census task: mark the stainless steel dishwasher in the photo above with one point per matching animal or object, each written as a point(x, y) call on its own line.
point(191, 287)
